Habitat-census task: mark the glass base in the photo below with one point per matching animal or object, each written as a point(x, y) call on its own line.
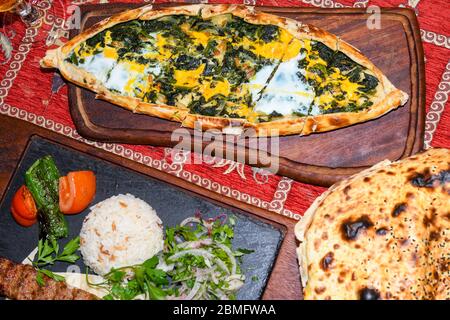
point(29, 14)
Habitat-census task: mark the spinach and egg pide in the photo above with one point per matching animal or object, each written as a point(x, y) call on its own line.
point(340, 84)
point(226, 66)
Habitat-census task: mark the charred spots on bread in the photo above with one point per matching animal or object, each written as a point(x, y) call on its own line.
point(414, 258)
point(327, 261)
point(410, 196)
point(369, 294)
point(352, 228)
point(435, 235)
point(436, 275)
point(404, 242)
point(320, 290)
point(338, 121)
point(444, 266)
point(381, 231)
point(430, 220)
point(398, 209)
point(346, 191)
point(428, 180)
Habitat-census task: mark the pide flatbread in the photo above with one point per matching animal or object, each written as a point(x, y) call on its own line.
point(382, 234)
point(226, 67)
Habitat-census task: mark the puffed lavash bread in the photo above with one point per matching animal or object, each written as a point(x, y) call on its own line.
point(381, 234)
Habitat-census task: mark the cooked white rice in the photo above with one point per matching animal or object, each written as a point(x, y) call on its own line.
point(120, 231)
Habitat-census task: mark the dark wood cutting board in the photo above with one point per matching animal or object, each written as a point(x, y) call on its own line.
point(321, 158)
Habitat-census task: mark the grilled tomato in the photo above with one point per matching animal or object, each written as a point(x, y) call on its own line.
point(76, 191)
point(23, 207)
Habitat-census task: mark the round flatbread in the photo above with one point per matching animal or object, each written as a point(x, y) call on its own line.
point(381, 234)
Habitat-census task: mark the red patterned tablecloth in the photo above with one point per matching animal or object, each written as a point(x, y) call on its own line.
point(32, 95)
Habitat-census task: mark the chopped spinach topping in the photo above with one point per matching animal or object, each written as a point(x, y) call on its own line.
point(185, 62)
point(324, 52)
point(240, 28)
point(99, 38)
point(368, 84)
point(268, 33)
point(184, 43)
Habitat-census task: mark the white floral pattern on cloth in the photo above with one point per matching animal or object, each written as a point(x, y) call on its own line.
point(22, 51)
point(361, 3)
point(59, 31)
point(78, 2)
point(324, 3)
point(281, 194)
point(260, 175)
point(181, 157)
point(230, 166)
point(176, 159)
point(412, 4)
point(6, 48)
point(435, 38)
point(437, 106)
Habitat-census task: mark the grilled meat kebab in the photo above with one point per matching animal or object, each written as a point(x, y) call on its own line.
point(18, 281)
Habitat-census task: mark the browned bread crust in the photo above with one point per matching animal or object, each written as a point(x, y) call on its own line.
point(383, 233)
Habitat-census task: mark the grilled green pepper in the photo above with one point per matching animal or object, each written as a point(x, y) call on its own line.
point(42, 180)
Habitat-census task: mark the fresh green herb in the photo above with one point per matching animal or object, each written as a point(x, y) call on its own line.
point(241, 252)
point(50, 274)
point(48, 253)
point(197, 263)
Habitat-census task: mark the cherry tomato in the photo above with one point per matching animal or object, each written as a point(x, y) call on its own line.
point(23, 207)
point(76, 191)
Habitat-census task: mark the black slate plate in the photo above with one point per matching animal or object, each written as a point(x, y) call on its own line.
point(171, 203)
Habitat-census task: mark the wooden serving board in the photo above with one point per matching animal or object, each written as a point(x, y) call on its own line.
point(15, 136)
point(322, 158)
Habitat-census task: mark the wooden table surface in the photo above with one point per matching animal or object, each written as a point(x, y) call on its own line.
point(284, 281)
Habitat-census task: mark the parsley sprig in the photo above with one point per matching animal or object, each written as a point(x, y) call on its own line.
point(147, 280)
point(49, 253)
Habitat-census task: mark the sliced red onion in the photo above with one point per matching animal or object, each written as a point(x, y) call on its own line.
point(195, 252)
point(164, 266)
point(221, 295)
point(195, 288)
point(222, 265)
point(235, 282)
point(230, 255)
point(196, 244)
point(190, 220)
